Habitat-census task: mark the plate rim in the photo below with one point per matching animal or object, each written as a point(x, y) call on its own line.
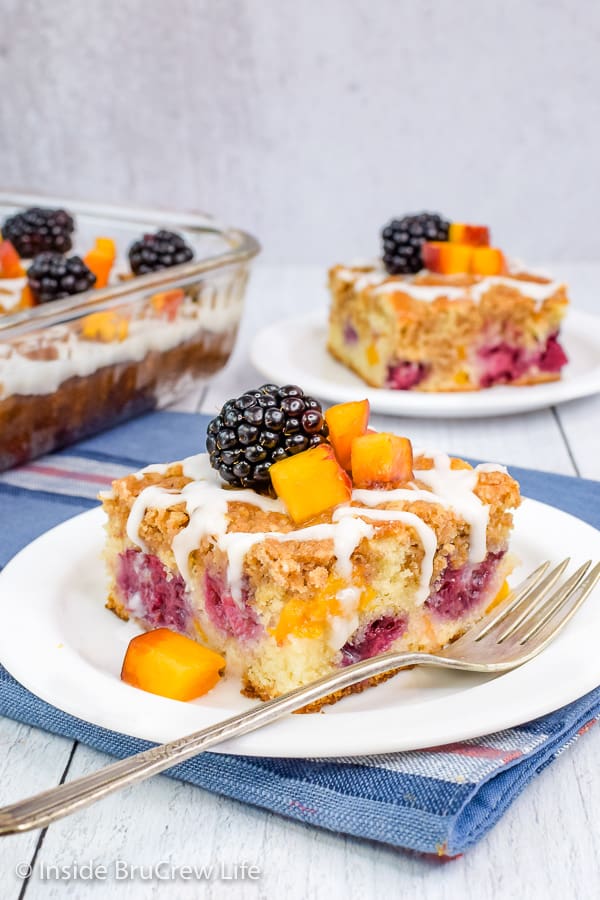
point(291, 729)
point(495, 401)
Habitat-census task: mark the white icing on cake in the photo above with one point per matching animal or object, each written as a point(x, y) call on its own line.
point(536, 290)
point(21, 374)
point(456, 487)
point(425, 534)
point(10, 293)
point(383, 283)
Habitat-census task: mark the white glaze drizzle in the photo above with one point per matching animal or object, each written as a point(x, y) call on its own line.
point(426, 535)
point(535, 290)
point(154, 497)
point(491, 467)
point(375, 497)
point(456, 487)
point(24, 374)
point(10, 295)
point(343, 626)
point(206, 502)
point(425, 292)
point(384, 283)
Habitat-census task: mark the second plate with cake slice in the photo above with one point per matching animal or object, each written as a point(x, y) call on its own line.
point(295, 350)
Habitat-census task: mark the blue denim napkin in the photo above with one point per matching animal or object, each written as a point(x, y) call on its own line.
point(438, 801)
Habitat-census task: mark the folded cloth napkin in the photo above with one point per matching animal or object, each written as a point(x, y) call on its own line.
point(438, 801)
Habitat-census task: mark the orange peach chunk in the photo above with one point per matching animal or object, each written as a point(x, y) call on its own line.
point(167, 303)
point(487, 261)
point(309, 618)
point(100, 260)
point(381, 460)
point(346, 421)
point(105, 326)
point(27, 298)
point(171, 665)
point(10, 261)
point(310, 482)
point(474, 235)
point(446, 258)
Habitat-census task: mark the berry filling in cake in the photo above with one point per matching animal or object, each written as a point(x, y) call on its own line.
point(377, 637)
point(503, 363)
point(152, 592)
point(403, 376)
point(421, 317)
point(460, 590)
point(230, 618)
point(304, 541)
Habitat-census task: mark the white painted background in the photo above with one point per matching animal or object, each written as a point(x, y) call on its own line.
point(311, 122)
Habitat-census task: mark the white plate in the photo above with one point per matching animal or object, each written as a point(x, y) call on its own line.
point(293, 351)
point(58, 640)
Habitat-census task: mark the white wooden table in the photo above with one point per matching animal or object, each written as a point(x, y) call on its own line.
point(546, 844)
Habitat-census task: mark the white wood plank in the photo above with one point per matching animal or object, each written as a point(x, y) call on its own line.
point(30, 761)
point(581, 423)
point(581, 418)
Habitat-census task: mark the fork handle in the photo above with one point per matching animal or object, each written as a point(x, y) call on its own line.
point(42, 809)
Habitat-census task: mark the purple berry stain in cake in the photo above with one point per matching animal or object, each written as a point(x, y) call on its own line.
point(376, 638)
point(503, 363)
point(458, 591)
point(403, 376)
point(350, 334)
point(553, 357)
point(151, 592)
point(226, 615)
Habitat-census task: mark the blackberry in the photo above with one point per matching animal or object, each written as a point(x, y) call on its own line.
point(37, 230)
point(158, 251)
point(52, 276)
point(403, 238)
point(262, 426)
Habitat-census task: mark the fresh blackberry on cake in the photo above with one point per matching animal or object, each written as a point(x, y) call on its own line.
point(158, 251)
point(38, 230)
point(403, 239)
point(52, 276)
point(261, 427)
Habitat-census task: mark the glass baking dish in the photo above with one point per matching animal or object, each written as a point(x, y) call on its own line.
point(74, 366)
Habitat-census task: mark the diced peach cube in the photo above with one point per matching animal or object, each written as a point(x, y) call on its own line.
point(100, 260)
point(105, 326)
point(474, 235)
point(487, 261)
point(10, 261)
point(446, 258)
point(167, 303)
point(346, 421)
point(106, 246)
point(171, 665)
point(27, 300)
point(309, 618)
point(310, 482)
point(380, 460)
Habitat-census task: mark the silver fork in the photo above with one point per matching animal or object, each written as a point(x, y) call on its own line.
point(507, 636)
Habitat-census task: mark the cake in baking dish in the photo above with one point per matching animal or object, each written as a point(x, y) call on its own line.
point(350, 548)
point(69, 365)
point(450, 314)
